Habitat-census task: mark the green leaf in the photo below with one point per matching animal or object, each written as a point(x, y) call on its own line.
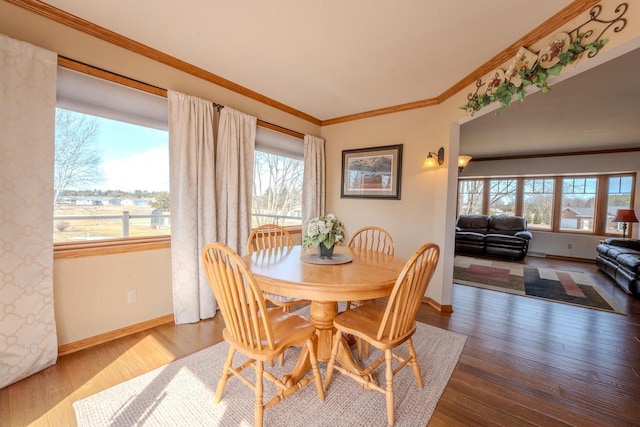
point(555, 70)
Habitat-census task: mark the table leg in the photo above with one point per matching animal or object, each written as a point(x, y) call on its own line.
point(322, 314)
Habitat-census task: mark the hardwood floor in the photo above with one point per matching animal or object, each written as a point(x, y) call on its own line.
point(526, 362)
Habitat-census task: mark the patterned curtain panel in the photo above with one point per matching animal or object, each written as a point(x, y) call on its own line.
point(234, 177)
point(313, 184)
point(192, 130)
point(28, 340)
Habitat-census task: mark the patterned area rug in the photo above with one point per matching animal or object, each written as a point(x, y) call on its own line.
point(568, 287)
point(181, 393)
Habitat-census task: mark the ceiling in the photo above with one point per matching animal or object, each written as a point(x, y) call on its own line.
point(326, 58)
point(594, 110)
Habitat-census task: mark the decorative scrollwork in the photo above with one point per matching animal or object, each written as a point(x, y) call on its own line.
point(563, 49)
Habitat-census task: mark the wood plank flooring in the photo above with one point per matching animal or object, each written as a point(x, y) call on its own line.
point(526, 362)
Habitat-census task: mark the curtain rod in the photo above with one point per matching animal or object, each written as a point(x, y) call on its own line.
point(136, 84)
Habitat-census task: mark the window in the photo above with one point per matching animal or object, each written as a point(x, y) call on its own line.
point(578, 206)
point(618, 197)
point(111, 173)
point(502, 196)
point(277, 179)
point(470, 197)
point(537, 202)
point(572, 204)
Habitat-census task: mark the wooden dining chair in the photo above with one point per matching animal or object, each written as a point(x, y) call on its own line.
point(385, 328)
point(372, 238)
point(254, 330)
point(375, 239)
point(272, 236)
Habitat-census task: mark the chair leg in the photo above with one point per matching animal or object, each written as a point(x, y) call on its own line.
point(359, 349)
point(222, 382)
point(259, 407)
point(286, 309)
point(414, 363)
point(332, 359)
point(314, 367)
point(389, 390)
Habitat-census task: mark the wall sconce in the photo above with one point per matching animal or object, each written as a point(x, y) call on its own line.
point(463, 161)
point(624, 216)
point(431, 161)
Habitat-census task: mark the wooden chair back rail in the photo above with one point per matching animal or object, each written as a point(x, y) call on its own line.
point(268, 236)
point(372, 238)
point(405, 299)
point(240, 299)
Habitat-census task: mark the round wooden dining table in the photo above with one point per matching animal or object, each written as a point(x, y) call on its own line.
point(360, 275)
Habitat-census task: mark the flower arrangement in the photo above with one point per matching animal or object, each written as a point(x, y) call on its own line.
point(327, 230)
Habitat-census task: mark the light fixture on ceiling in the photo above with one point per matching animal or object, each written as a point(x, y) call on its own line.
point(463, 161)
point(624, 216)
point(431, 161)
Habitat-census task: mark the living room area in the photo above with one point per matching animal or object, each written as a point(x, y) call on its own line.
point(565, 166)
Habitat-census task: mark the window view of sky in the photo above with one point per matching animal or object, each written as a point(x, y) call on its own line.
point(134, 157)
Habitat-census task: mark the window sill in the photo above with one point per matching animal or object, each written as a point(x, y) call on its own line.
point(108, 247)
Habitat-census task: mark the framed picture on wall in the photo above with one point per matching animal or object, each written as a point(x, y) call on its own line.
point(372, 172)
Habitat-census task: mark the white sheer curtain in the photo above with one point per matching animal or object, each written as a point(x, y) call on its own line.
point(28, 340)
point(313, 183)
point(192, 130)
point(234, 177)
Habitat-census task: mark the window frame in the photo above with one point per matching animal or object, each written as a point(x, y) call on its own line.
point(131, 244)
point(600, 209)
point(117, 245)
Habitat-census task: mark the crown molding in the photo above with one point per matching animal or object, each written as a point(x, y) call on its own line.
point(55, 14)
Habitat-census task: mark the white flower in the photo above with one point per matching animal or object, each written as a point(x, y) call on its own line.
point(327, 230)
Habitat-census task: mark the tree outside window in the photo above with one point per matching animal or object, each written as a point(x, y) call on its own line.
point(277, 190)
point(111, 179)
point(470, 197)
point(618, 197)
point(502, 196)
point(537, 203)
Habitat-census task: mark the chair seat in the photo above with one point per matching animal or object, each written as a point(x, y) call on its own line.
point(364, 322)
point(280, 298)
point(288, 330)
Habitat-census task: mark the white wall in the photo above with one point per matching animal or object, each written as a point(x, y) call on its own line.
point(90, 294)
point(582, 246)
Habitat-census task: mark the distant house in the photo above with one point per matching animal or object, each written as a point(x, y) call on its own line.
point(576, 218)
point(135, 202)
point(582, 218)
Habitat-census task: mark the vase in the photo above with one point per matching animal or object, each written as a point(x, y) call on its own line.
point(324, 252)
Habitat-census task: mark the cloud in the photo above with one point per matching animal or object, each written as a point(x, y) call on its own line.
point(148, 170)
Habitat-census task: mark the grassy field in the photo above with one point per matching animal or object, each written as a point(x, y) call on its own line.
point(74, 230)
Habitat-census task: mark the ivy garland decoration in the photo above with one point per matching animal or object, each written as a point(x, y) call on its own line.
point(536, 75)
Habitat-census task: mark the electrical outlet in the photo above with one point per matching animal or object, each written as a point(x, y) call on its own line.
point(132, 296)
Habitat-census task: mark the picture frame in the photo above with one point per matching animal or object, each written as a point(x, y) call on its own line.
point(372, 173)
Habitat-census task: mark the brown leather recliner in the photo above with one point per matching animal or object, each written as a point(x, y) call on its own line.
point(501, 236)
point(620, 259)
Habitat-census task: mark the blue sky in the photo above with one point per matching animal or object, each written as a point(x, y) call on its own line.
point(134, 157)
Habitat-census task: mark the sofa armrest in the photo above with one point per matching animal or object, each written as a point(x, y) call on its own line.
point(524, 234)
point(625, 243)
point(458, 229)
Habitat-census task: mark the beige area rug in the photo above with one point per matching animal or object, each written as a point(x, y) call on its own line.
point(181, 393)
point(564, 286)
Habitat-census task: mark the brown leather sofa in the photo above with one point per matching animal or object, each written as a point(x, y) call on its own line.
point(620, 259)
point(501, 236)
